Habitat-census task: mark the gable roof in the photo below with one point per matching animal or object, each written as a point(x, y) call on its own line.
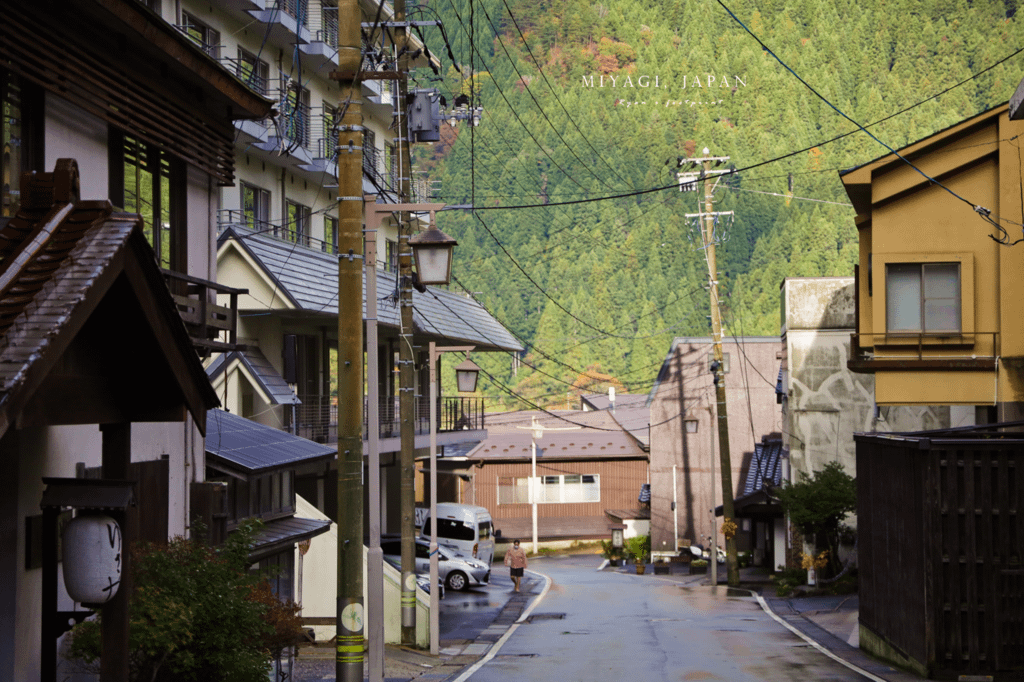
point(61, 259)
point(260, 371)
point(242, 445)
point(308, 280)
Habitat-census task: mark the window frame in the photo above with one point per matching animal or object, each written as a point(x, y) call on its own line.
point(208, 39)
point(880, 311)
point(253, 71)
point(920, 270)
point(260, 220)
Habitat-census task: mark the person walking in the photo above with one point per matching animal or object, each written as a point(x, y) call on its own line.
point(515, 559)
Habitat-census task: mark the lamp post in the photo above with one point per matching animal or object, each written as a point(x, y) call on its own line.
point(466, 376)
point(536, 433)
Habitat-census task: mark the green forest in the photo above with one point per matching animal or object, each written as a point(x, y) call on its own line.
point(586, 101)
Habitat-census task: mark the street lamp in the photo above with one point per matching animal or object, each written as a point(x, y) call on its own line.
point(466, 376)
point(432, 250)
point(536, 433)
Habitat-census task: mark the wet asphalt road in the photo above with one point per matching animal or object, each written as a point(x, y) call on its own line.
point(620, 626)
point(465, 614)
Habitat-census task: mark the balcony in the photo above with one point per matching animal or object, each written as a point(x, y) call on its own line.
point(317, 419)
point(285, 22)
point(232, 217)
point(211, 327)
point(907, 352)
point(290, 133)
point(323, 133)
point(321, 53)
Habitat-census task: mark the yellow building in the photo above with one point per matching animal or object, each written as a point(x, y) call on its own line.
point(940, 303)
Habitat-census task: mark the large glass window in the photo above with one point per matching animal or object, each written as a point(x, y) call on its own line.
point(922, 297)
point(21, 139)
point(561, 489)
point(330, 244)
point(152, 184)
point(202, 35)
point(295, 113)
point(252, 71)
point(297, 229)
point(255, 206)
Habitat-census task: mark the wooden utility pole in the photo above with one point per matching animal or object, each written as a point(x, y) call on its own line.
point(350, 653)
point(708, 239)
point(406, 356)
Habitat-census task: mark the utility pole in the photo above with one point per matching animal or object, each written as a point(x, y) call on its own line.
point(350, 615)
point(707, 221)
point(406, 356)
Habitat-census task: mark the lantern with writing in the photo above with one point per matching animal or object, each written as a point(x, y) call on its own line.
point(92, 558)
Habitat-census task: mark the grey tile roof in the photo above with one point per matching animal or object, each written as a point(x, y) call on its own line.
point(765, 466)
point(270, 380)
point(241, 444)
point(308, 279)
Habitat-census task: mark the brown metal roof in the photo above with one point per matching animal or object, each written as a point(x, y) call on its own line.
point(599, 437)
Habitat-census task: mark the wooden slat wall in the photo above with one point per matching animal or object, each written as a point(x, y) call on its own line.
point(942, 552)
point(51, 55)
point(620, 487)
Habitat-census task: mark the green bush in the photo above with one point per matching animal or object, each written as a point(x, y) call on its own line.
point(198, 613)
point(639, 548)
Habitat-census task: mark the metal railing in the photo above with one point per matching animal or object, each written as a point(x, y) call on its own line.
point(248, 74)
point(227, 217)
point(910, 346)
point(317, 417)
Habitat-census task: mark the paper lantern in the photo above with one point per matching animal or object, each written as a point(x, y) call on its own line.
point(92, 558)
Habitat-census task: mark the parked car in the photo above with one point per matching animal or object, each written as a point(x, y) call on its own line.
point(458, 572)
point(422, 581)
point(465, 529)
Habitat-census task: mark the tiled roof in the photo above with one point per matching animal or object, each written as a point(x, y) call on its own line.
point(242, 444)
point(599, 438)
point(308, 279)
point(270, 380)
point(765, 466)
point(281, 534)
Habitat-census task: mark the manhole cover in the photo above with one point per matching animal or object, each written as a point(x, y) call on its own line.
point(545, 616)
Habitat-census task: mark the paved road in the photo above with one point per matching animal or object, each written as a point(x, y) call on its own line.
point(619, 626)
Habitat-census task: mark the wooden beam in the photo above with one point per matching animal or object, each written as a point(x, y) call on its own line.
point(117, 456)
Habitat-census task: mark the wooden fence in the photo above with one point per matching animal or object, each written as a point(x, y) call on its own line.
point(941, 551)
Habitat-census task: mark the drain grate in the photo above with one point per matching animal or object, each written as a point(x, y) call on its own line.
point(545, 616)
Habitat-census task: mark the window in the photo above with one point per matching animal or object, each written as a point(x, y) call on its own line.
point(329, 22)
point(255, 206)
point(201, 34)
point(297, 229)
point(329, 141)
point(725, 362)
point(922, 297)
point(370, 156)
point(561, 489)
point(253, 72)
point(294, 118)
point(151, 183)
point(296, 9)
point(330, 244)
point(20, 137)
point(390, 255)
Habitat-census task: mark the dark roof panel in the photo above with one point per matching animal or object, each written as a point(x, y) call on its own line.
point(281, 534)
point(269, 379)
point(243, 444)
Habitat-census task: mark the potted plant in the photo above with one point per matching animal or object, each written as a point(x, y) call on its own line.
point(698, 567)
point(639, 547)
point(613, 554)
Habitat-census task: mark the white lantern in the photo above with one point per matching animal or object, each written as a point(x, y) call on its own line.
point(466, 375)
point(432, 250)
point(92, 558)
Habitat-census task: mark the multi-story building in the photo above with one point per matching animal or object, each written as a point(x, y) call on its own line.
point(938, 284)
point(98, 370)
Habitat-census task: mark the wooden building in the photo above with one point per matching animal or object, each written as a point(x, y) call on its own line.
point(591, 466)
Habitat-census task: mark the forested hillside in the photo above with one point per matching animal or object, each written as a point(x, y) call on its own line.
point(589, 100)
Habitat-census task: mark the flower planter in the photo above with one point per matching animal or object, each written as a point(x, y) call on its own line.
point(698, 570)
point(640, 568)
point(616, 562)
point(661, 569)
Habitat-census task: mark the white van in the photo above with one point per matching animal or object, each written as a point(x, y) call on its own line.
point(463, 528)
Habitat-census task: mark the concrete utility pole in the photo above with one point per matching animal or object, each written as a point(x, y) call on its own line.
point(708, 239)
point(406, 356)
point(350, 653)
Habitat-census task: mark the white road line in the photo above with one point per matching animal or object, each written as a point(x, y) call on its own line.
point(504, 638)
point(783, 623)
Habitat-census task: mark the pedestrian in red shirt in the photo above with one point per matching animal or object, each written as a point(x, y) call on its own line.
point(515, 559)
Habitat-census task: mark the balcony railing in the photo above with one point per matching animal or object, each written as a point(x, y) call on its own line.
point(227, 217)
point(317, 417)
point(211, 327)
point(960, 351)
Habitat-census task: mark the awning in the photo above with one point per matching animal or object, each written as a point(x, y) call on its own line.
point(282, 534)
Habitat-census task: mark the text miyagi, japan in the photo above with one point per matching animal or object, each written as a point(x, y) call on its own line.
point(627, 81)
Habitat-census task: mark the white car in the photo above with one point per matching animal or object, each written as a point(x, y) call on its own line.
point(458, 572)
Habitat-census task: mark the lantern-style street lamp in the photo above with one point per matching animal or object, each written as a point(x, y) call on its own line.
point(466, 374)
point(432, 250)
